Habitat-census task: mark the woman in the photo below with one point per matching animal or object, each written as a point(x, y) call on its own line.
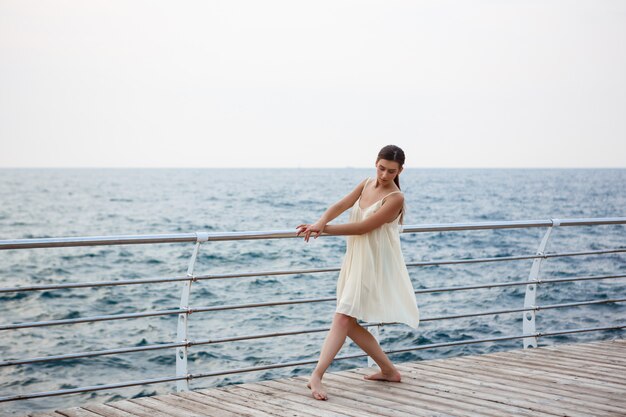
point(373, 283)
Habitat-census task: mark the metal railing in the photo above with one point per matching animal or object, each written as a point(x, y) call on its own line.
point(529, 334)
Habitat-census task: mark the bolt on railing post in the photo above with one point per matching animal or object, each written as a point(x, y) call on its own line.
point(375, 331)
point(183, 318)
point(528, 319)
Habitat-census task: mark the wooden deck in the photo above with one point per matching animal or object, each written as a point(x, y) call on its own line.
point(582, 380)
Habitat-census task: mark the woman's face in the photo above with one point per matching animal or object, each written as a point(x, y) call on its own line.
point(386, 170)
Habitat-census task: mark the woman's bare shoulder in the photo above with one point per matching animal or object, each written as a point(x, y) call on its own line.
point(395, 196)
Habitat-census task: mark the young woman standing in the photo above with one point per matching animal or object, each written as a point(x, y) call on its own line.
point(373, 283)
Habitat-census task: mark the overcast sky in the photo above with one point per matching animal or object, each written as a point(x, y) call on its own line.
point(263, 83)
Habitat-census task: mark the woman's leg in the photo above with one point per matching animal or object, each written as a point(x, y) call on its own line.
point(332, 345)
point(366, 341)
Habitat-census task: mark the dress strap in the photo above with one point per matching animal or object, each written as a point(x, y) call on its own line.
point(397, 191)
point(402, 209)
point(365, 185)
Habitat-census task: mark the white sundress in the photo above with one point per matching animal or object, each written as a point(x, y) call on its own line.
point(374, 284)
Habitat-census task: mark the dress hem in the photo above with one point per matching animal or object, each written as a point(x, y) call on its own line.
point(359, 317)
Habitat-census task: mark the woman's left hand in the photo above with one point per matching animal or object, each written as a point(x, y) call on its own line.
point(307, 229)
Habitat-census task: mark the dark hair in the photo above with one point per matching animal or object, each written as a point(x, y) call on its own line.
point(392, 153)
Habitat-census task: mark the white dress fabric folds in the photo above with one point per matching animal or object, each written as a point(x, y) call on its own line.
point(374, 284)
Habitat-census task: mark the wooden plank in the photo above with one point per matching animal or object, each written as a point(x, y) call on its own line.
point(363, 403)
point(602, 342)
point(487, 366)
point(568, 356)
point(575, 358)
point(513, 392)
point(156, 405)
point(547, 365)
point(441, 399)
point(610, 347)
point(323, 408)
point(575, 379)
point(545, 384)
point(106, 411)
point(579, 352)
point(468, 392)
point(491, 393)
point(610, 342)
point(298, 401)
point(288, 405)
point(77, 412)
point(528, 382)
point(136, 409)
point(337, 403)
point(272, 409)
point(604, 353)
point(389, 402)
point(220, 401)
point(434, 405)
point(197, 407)
point(612, 358)
point(298, 388)
point(513, 362)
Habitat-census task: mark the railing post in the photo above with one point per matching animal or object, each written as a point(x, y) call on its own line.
point(528, 319)
point(183, 318)
point(375, 331)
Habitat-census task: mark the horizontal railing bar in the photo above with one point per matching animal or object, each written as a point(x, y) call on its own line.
point(483, 313)
point(571, 279)
point(158, 313)
point(496, 339)
point(92, 319)
point(266, 273)
point(158, 280)
point(92, 354)
point(514, 283)
point(294, 363)
point(90, 389)
point(533, 308)
point(512, 224)
point(408, 264)
point(288, 333)
point(284, 272)
point(94, 284)
point(277, 234)
point(189, 343)
point(591, 252)
point(269, 304)
point(58, 242)
point(512, 258)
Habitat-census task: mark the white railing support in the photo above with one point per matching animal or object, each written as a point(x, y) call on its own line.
point(528, 319)
point(183, 319)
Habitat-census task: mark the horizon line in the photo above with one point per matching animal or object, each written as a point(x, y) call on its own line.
point(298, 167)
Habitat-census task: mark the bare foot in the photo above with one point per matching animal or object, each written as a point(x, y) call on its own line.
point(318, 391)
point(393, 376)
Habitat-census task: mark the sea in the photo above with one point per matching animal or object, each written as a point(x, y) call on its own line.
point(37, 203)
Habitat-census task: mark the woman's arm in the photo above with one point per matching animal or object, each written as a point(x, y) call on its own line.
point(387, 213)
point(331, 213)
